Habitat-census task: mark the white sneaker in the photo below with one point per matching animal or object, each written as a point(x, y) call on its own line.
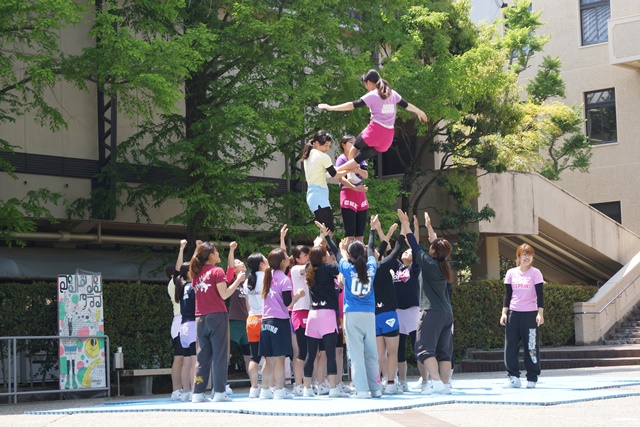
point(376, 394)
point(434, 387)
point(392, 389)
point(345, 388)
point(282, 393)
point(531, 384)
point(176, 394)
point(254, 392)
point(186, 396)
point(404, 386)
point(199, 398)
point(383, 381)
point(227, 389)
point(308, 392)
point(512, 382)
point(221, 397)
point(361, 395)
point(447, 389)
point(323, 388)
point(424, 386)
point(298, 389)
point(266, 393)
point(336, 392)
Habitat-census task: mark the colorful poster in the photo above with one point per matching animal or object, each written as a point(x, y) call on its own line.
point(82, 360)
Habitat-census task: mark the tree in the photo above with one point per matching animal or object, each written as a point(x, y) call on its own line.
point(263, 66)
point(30, 64)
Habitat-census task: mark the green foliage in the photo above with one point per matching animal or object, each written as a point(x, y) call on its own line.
point(15, 213)
point(477, 307)
point(30, 310)
point(548, 82)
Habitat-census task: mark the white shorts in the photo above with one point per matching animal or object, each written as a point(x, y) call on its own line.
point(188, 333)
point(175, 326)
point(408, 319)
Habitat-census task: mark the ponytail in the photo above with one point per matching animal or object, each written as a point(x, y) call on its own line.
point(201, 256)
point(358, 257)
point(316, 257)
point(321, 137)
point(441, 251)
point(253, 262)
point(274, 259)
point(384, 89)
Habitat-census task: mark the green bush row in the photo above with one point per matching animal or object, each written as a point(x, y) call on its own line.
point(138, 318)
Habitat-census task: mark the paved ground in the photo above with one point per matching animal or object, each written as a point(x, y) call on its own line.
point(609, 412)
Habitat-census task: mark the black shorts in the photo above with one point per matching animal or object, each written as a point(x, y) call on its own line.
point(177, 346)
point(275, 338)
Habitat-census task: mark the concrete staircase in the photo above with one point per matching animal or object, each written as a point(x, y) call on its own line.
point(628, 332)
point(557, 358)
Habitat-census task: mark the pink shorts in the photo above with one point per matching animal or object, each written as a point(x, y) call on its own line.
point(354, 200)
point(299, 319)
point(377, 136)
point(321, 322)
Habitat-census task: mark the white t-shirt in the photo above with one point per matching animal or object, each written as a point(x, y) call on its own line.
point(255, 296)
point(299, 280)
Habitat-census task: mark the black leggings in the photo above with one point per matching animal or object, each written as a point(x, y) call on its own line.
point(365, 152)
point(301, 339)
point(325, 216)
point(329, 341)
point(402, 345)
point(354, 222)
point(253, 349)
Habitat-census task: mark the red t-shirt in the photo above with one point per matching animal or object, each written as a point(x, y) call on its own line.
point(208, 300)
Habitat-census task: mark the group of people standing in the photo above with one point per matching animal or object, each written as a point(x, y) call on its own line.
point(323, 298)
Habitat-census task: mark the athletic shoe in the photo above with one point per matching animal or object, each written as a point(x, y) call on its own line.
point(376, 394)
point(434, 387)
point(392, 389)
point(531, 384)
point(323, 388)
point(282, 393)
point(447, 389)
point(383, 381)
point(176, 394)
point(345, 388)
point(186, 396)
point(512, 382)
point(424, 386)
point(361, 395)
point(308, 392)
point(336, 392)
point(254, 392)
point(221, 397)
point(404, 386)
point(199, 398)
point(265, 394)
point(298, 389)
point(227, 389)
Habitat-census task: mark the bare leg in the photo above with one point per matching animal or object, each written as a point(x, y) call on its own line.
point(445, 370)
point(268, 371)
point(253, 373)
point(432, 367)
point(187, 377)
point(391, 344)
point(176, 372)
point(278, 371)
point(382, 355)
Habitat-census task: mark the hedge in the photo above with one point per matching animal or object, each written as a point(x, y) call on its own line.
point(138, 318)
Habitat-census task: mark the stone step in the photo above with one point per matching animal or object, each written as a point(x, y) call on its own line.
point(630, 332)
point(622, 341)
point(498, 365)
point(630, 323)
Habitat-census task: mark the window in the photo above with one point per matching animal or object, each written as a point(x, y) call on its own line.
point(610, 209)
point(600, 112)
point(594, 15)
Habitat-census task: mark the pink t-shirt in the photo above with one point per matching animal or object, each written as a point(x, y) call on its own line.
point(274, 307)
point(524, 296)
point(208, 300)
point(383, 111)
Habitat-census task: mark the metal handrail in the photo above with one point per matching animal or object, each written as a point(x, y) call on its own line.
point(13, 363)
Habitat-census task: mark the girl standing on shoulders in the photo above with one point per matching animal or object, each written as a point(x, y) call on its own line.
point(377, 137)
point(353, 194)
point(317, 164)
point(275, 334)
point(212, 321)
point(522, 313)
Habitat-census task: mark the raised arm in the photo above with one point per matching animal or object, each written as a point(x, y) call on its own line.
point(418, 112)
point(180, 259)
point(406, 230)
point(370, 249)
point(396, 250)
point(432, 234)
point(324, 233)
point(283, 235)
point(230, 261)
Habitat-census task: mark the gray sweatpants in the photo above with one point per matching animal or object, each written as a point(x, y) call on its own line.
point(361, 345)
point(213, 336)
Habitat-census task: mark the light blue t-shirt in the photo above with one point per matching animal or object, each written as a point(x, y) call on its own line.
point(358, 297)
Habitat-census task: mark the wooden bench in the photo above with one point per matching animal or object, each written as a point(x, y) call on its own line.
point(143, 379)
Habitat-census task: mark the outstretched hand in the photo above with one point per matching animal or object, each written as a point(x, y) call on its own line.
point(323, 106)
point(233, 245)
point(323, 229)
